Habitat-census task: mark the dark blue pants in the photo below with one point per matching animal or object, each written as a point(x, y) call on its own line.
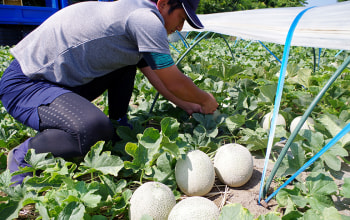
point(68, 123)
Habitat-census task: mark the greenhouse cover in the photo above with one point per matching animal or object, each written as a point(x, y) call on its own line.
point(320, 27)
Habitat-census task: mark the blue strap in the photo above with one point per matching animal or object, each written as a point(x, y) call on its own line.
point(174, 47)
point(270, 52)
point(279, 94)
point(339, 53)
point(343, 132)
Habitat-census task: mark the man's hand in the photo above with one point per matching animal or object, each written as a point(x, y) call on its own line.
point(210, 105)
point(191, 108)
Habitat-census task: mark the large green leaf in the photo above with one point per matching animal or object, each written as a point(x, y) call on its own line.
point(346, 187)
point(268, 93)
point(296, 160)
point(334, 125)
point(104, 162)
point(139, 153)
point(326, 213)
point(87, 193)
point(170, 127)
point(318, 183)
point(234, 122)
point(302, 77)
point(285, 196)
point(270, 216)
point(10, 210)
point(235, 211)
point(73, 211)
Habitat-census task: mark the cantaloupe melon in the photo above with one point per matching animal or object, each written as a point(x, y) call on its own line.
point(308, 124)
point(195, 208)
point(266, 120)
point(195, 174)
point(233, 164)
point(152, 198)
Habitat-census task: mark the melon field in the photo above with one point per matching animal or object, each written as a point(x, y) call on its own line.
point(243, 78)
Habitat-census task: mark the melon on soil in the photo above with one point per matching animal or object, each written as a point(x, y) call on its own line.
point(152, 198)
point(195, 175)
point(266, 120)
point(308, 124)
point(233, 164)
point(195, 208)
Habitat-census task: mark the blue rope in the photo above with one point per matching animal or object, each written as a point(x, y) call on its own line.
point(270, 52)
point(338, 53)
point(195, 38)
point(174, 47)
point(182, 39)
point(279, 94)
point(343, 132)
point(248, 44)
point(236, 41)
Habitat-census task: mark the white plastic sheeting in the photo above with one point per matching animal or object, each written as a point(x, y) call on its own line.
point(320, 27)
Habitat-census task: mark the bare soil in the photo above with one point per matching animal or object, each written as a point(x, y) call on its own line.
point(248, 194)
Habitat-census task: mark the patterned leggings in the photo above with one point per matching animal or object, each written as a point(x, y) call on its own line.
point(71, 124)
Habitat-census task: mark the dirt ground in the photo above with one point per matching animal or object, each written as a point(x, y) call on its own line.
point(248, 194)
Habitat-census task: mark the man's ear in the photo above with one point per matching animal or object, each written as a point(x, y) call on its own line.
point(161, 4)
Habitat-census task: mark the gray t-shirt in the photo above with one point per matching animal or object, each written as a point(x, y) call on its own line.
point(90, 39)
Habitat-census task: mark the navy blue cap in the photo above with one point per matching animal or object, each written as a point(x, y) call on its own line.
point(190, 7)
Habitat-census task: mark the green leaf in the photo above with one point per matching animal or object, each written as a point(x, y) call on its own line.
point(293, 215)
point(268, 93)
point(17, 192)
point(151, 140)
point(99, 217)
point(73, 211)
point(320, 202)
point(170, 127)
point(346, 187)
point(285, 196)
point(10, 210)
point(207, 121)
point(315, 139)
point(170, 146)
point(270, 216)
point(5, 179)
point(297, 160)
point(234, 122)
point(113, 188)
point(39, 161)
point(325, 213)
point(331, 156)
point(139, 153)
point(224, 71)
point(318, 183)
point(235, 211)
point(40, 206)
point(302, 78)
point(199, 137)
point(126, 134)
point(320, 187)
point(86, 193)
point(164, 169)
point(334, 126)
point(103, 162)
